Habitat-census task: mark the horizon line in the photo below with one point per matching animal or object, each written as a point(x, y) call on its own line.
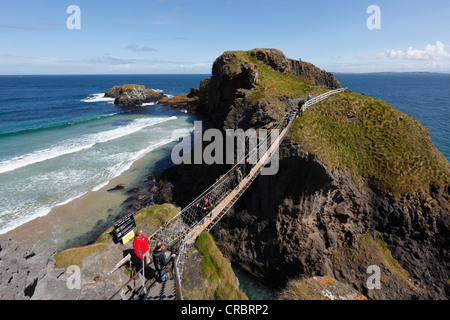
point(210, 74)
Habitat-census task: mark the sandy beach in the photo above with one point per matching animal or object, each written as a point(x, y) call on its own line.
point(82, 220)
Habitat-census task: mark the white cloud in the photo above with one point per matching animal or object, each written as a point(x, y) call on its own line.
point(431, 52)
point(136, 48)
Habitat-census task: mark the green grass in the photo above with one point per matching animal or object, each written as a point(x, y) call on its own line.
point(371, 252)
point(75, 256)
point(357, 134)
point(217, 271)
point(371, 140)
point(301, 289)
point(273, 87)
point(151, 218)
point(377, 250)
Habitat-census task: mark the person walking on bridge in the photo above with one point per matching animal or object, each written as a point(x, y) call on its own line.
point(140, 246)
point(287, 119)
point(239, 177)
point(161, 260)
point(206, 206)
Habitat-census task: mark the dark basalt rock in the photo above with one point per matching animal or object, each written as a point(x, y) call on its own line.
point(130, 95)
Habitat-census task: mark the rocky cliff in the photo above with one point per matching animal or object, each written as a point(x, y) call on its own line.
point(359, 184)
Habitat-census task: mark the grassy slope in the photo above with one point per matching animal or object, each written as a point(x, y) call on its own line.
point(355, 133)
point(373, 252)
point(372, 140)
point(219, 279)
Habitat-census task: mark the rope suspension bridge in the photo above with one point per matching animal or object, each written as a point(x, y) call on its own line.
point(182, 230)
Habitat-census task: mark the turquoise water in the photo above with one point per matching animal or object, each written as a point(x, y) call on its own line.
point(252, 288)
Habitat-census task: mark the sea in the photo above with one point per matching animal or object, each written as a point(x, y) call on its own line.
point(61, 140)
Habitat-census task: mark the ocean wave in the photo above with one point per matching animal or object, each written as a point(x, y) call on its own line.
point(28, 211)
point(98, 97)
point(76, 145)
point(40, 212)
point(131, 158)
point(72, 122)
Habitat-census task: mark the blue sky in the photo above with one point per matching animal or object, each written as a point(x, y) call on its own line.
point(185, 36)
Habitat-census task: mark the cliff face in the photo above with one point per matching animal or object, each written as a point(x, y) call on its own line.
point(327, 212)
point(277, 61)
point(308, 221)
point(243, 88)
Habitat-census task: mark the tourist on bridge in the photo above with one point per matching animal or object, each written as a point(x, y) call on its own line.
point(248, 166)
point(161, 260)
point(287, 119)
point(140, 246)
point(239, 176)
point(206, 206)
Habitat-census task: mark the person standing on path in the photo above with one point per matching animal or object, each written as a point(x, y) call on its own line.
point(141, 249)
point(161, 261)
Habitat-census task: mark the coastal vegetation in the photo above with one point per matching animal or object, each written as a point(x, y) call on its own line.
point(373, 252)
point(361, 135)
point(217, 280)
point(352, 164)
point(371, 140)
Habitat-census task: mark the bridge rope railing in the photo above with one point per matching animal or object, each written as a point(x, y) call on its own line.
point(190, 216)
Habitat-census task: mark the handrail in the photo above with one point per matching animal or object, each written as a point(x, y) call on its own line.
point(126, 284)
point(320, 98)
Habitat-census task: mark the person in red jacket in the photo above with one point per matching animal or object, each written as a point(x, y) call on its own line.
point(140, 246)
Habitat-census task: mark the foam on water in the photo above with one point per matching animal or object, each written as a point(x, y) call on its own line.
point(98, 97)
point(78, 144)
point(64, 185)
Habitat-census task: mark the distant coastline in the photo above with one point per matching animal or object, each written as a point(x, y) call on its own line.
point(393, 73)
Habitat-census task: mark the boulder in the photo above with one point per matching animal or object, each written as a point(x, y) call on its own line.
point(132, 95)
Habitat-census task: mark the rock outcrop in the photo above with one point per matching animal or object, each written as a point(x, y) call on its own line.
point(277, 61)
point(27, 272)
point(131, 95)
